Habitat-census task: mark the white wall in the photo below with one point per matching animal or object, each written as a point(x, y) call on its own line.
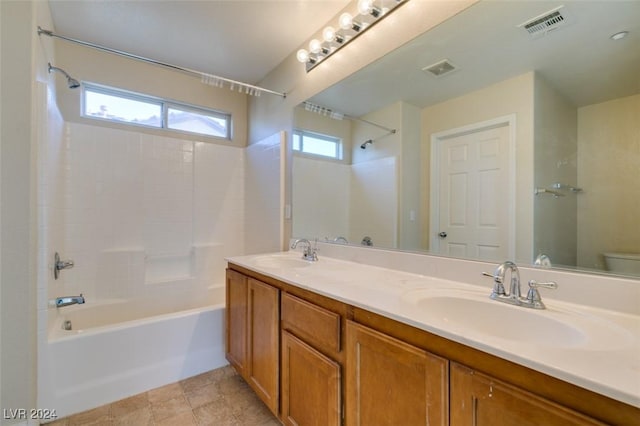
point(373, 207)
point(21, 58)
point(608, 171)
point(136, 208)
point(264, 195)
point(513, 96)
point(410, 227)
point(555, 219)
point(322, 194)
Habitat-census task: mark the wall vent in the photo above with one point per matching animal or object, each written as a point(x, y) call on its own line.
point(545, 23)
point(440, 68)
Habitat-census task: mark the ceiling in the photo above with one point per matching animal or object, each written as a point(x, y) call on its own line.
point(237, 39)
point(245, 39)
point(486, 45)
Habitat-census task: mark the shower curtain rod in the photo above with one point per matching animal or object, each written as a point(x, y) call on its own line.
point(309, 106)
point(206, 77)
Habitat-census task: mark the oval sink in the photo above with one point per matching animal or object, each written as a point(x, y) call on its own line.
point(504, 321)
point(275, 261)
point(550, 327)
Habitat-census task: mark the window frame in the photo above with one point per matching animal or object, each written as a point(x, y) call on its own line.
point(301, 133)
point(165, 105)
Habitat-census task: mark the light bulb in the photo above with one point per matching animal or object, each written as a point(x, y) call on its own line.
point(315, 45)
point(346, 20)
point(329, 34)
point(365, 6)
point(302, 55)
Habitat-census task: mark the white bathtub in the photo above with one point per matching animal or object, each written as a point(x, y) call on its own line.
point(100, 361)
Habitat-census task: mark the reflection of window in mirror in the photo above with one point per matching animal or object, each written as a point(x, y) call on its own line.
point(317, 144)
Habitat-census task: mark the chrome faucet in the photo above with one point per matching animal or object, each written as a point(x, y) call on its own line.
point(514, 297)
point(498, 292)
point(59, 302)
point(309, 253)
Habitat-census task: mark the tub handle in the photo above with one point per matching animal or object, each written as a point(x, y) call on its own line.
point(59, 265)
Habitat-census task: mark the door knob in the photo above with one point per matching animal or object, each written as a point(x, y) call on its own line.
point(442, 234)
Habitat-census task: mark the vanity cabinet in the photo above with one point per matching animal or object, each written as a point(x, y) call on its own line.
point(310, 385)
point(253, 334)
point(301, 352)
point(237, 287)
point(390, 382)
point(479, 400)
point(311, 378)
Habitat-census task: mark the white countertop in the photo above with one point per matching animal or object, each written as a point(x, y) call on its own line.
point(605, 358)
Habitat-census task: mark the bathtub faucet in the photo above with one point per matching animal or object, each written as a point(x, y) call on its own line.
point(59, 302)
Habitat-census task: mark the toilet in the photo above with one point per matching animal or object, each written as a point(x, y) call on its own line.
point(623, 263)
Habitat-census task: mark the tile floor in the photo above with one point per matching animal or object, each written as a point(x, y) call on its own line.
point(219, 397)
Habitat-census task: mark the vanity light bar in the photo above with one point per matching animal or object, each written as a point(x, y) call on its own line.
point(369, 12)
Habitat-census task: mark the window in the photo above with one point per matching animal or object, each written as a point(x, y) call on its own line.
point(111, 104)
point(317, 144)
point(197, 121)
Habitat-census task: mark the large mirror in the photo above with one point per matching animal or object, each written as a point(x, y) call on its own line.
point(510, 131)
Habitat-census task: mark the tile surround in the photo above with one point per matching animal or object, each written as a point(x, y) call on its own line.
point(122, 190)
point(219, 397)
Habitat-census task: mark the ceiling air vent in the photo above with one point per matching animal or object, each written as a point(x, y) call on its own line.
point(544, 23)
point(440, 68)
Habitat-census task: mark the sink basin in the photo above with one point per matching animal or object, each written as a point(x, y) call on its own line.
point(473, 314)
point(278, 261)
point(504, 321)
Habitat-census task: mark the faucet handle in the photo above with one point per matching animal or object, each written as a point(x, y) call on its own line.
point(535, 284)
point(498, 286)
point(533, 295)
point(495, 277)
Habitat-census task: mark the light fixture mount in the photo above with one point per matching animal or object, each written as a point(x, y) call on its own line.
point(350, 25)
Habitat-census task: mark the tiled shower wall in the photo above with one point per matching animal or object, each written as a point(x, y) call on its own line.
point(353, 201)
point(136, 209)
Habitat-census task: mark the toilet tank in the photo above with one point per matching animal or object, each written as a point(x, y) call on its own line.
point(623, 263)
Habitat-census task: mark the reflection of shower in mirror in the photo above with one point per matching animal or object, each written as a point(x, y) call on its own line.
point(364, 145)
point(370, 141)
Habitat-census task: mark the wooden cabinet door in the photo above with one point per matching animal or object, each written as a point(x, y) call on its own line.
point(236, 330)
point(310, 385)
point(392, 383)
point(263, 342)
point(477, 399)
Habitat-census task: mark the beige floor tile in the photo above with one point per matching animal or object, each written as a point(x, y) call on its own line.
point(219, 397)
point(183, 419)
point(241, 401)
point(215, 413)
point(256, 415)
point(203, 395)
point(164, 393)
point(97, 416)
point(128, 405)
point(140, 417)
point(232, 384)
point(195, 382)
point(170, 407)
point(220, 373)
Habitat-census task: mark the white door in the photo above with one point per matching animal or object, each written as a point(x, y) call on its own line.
point(473, 199)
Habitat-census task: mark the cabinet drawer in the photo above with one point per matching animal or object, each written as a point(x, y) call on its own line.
point(311, 323)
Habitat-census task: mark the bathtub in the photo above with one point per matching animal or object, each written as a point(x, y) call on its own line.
point(118, 349)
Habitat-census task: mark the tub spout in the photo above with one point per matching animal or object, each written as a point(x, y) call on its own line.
point(59, 302)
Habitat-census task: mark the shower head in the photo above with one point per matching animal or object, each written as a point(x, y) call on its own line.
point(71, 82)
point(367, 142)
